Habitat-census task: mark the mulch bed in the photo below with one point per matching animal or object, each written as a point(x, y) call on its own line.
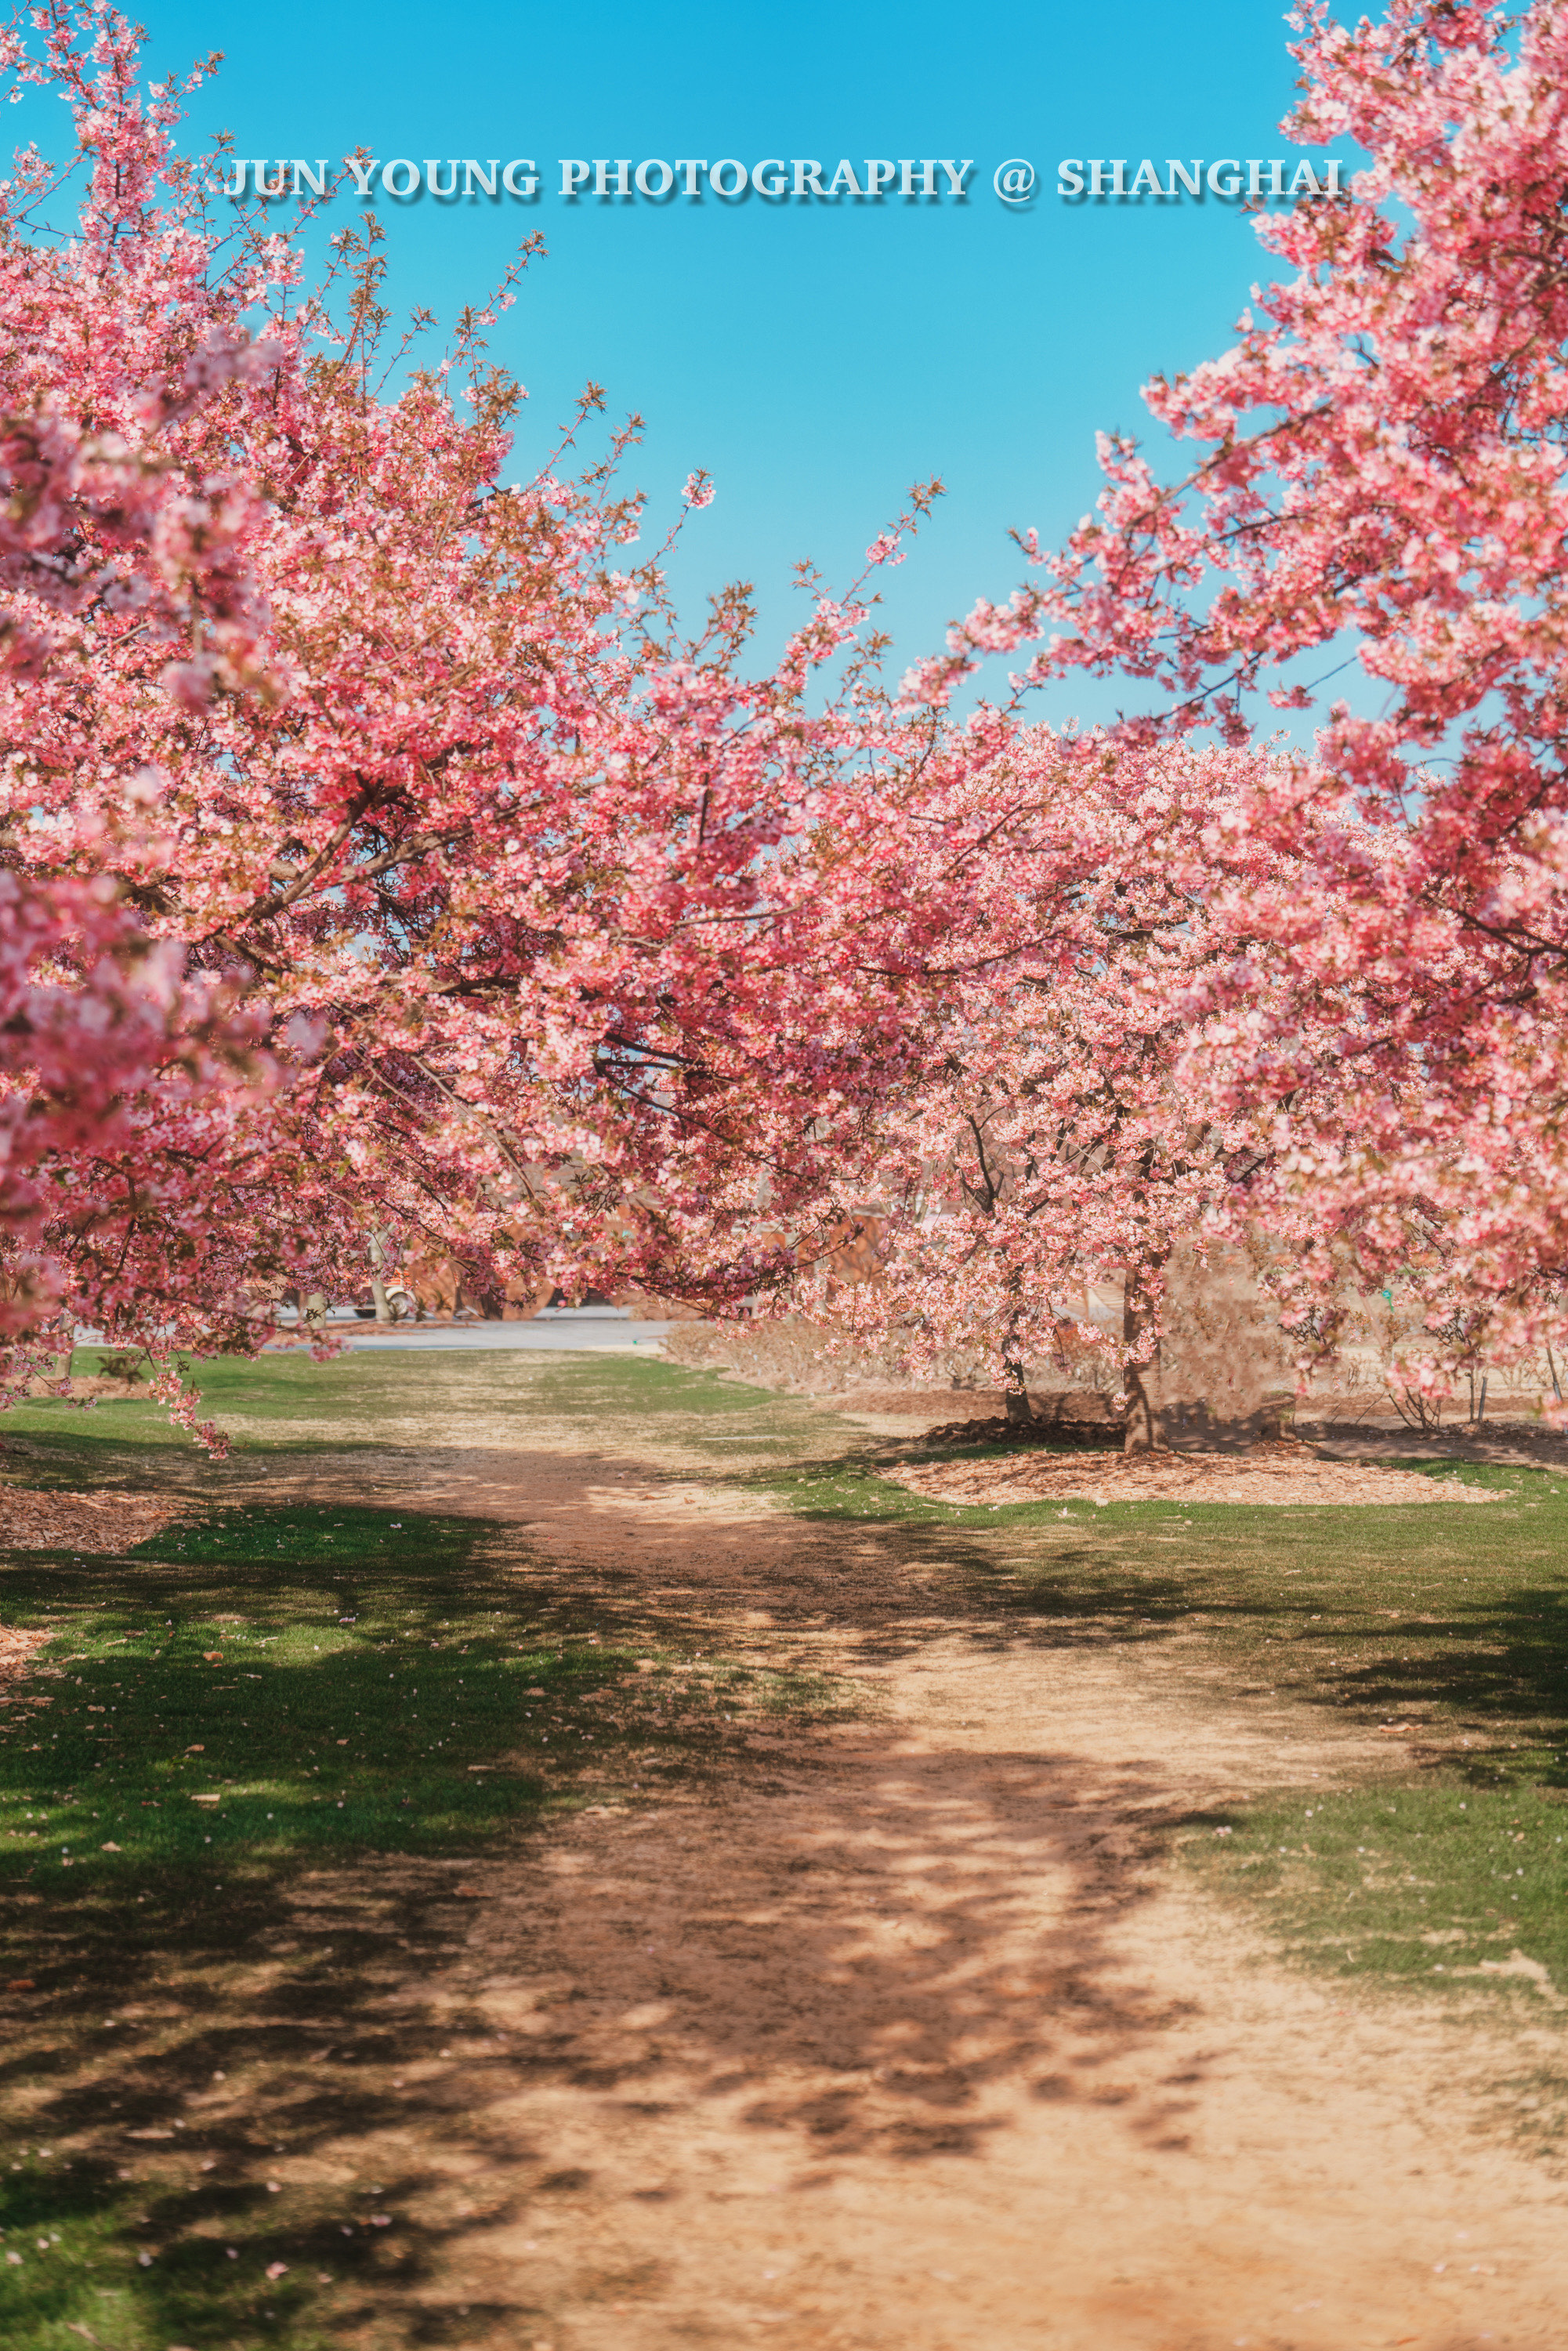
point(1276, 1471)
point(33, 1519)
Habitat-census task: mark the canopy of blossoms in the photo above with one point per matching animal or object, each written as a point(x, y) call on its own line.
point(378, 856)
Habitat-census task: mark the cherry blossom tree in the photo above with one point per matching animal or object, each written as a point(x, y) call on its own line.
point(1381, 487)
point(414, 858)
point(1063, 934)
point(112, 1062)
point(426, 881)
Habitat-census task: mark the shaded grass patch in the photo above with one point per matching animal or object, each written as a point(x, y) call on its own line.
point(327, 1673)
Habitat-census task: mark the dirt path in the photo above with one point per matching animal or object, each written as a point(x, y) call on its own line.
point(907, 2034)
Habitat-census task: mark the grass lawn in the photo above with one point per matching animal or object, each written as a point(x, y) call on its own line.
point(368, 1702)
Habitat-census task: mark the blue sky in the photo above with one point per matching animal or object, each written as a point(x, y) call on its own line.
point(813, 359)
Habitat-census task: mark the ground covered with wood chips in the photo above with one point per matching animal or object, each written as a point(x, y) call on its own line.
point(1272, 1473)
point(47, 1519)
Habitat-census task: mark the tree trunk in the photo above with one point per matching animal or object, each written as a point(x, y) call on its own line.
point(1142, 1433)
point(1018, 1407)
point(378, 1287)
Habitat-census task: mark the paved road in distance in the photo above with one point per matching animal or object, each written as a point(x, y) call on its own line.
point(554, 1331)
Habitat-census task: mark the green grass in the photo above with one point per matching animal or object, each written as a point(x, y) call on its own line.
point(1434, 1883)
point(1445, 1626)
point(291, 1386)
point(325, 1672)
point(228, 1660)
point(276, 1387)
point(1452, 1619)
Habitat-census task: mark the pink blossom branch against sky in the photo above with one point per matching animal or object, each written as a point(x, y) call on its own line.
point(811, 360)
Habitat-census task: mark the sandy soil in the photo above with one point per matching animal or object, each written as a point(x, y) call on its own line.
point(905, 2032)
